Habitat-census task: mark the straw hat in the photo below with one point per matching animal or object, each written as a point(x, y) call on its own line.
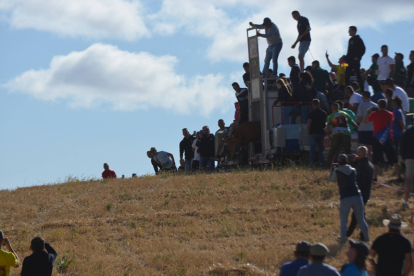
point(395, 222)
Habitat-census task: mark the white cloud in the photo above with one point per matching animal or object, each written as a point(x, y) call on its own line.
point(103, 74)
point(87, 18)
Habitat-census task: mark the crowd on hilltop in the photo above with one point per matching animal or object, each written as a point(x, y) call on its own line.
point(336, 107)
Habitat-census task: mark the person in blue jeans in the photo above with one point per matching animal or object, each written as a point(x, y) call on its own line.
point(350, 196)
point(357, 255)
point(274, 42)
point(301, 253)
point(316, 125)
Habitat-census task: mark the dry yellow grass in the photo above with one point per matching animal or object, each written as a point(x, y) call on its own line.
point(186, 225)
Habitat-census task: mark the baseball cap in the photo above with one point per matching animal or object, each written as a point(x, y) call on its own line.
point(266, 21)
point(360, 247)
point(303, 246)
point(319, 249)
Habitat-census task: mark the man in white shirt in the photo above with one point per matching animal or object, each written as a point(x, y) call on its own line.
point(354, 99)
point(386, 64)
point(398, 91)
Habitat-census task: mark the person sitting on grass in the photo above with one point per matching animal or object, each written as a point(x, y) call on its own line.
point(42, 259)
point(318, 252)
point(7, 259)
point(357, 255)
point(302, 256)
point(107, 173)
point(350, 197)
point(392, 249)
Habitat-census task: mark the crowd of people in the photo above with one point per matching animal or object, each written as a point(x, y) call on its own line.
point(335, 110)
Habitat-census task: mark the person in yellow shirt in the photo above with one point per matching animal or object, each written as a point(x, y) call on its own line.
point(339, 70)
point(7, 259)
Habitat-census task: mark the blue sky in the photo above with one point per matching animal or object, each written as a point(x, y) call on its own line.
point(91, 81)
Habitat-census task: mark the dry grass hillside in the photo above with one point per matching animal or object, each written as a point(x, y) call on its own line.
point(186, 225)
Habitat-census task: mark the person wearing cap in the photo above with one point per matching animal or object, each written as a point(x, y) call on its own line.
point(107, 173)
point(7, 259)
point(164, 158)
point(400, 73)
point(350, 196)
point(318, 252)
point(392, 249)
point(356, 50)
point(302, 256)
point(382, 141)
point(407, 154)
point(365, 130)
point(304, 38)
point(397, 91)
point(386, 64)
point(274, 42)
point(373, 70)
point(357, 255)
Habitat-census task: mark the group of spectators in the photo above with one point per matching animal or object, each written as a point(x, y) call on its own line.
point(39, 263)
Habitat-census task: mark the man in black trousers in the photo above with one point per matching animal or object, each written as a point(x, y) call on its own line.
point(365, 172)
point(356, 49)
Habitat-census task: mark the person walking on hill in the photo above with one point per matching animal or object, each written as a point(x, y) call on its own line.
point(407, 154)
point(392, 249)
point(40, 263)
point(302, 258)
point(318, 253)
point(357, 255)
point(186, 150)
point(7, 259)
point(315, 127)
point(107, 173)
point(274, 41)
point(350, 197)
point(164, 158)
point(356, 50)
point(364, 175)
point(304, 38)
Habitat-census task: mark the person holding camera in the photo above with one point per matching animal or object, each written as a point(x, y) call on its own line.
point(350, 196)
point(7, 259)
point(205, 144)
point(42, 259)
point(382, 142)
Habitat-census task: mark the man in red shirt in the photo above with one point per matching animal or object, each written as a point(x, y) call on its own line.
point(382, 142)
point(107, 173)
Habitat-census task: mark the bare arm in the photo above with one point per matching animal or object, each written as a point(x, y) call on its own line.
point(9, 247)
point(408, 264)
point(309, 125)
point(402, 125)
point(172, 157)
point(359, 118)
point(330, 63)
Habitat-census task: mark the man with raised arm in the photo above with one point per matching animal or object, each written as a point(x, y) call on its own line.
point(274, 41)
point(304, 38)
point(7, 259)
point(42, 259)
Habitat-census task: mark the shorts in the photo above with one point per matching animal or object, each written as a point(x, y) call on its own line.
point(387, 148)
point(206, 162)
point(303, 47)
point(195, 164)
point(365, 137)
point(409, 168)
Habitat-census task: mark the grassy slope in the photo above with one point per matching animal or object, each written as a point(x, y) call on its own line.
point(183, 225)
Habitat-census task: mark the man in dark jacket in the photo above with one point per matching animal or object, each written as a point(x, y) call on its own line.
point(294, 72)
point(186, 149)
point(400, 73)
point(350, 196)
point(365, 172)
point(40, 263)
point(356, 49)
point(407, 154)
point(410, 77)
point(205, 144)
point(321, 77)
